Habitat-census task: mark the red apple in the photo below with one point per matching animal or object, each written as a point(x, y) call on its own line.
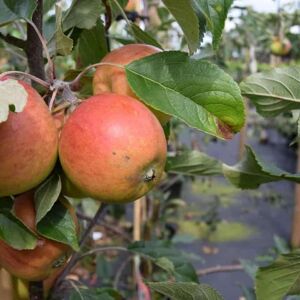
point(112, 148)
point(108, 78)
point(40, 262)
point(28, 149)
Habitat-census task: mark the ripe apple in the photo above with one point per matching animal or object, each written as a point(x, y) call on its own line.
point(28, 148)
point(46, 258)
point(108, 78)
point(112, 148)
point(281, 48)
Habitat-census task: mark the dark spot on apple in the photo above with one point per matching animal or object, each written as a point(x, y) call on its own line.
point(114, 153)
point(127, 157)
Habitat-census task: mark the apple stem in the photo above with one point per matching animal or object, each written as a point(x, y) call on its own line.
point(75, 83)
point(51, 102)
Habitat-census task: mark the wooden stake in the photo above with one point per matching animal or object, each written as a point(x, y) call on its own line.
point(295, 239)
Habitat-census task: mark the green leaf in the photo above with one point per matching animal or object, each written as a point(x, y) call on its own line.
point(22, 9)
point(212, 16)
point(195, 91)
point(279, 279)
point(252, 171)
point(142, 36)
point(13, 97)
point(95, 294)
point(14, 233)
point(6, 15)
point(64, 44)
point(194, 163)
point(92, 45)
point(275, 91)
point(186, 17)
point(163, 254)
point(58, 225)
point(185, 290)
point(82, 14)
point(46, 195)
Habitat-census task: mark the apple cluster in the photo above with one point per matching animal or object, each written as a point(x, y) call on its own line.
point(112, 148)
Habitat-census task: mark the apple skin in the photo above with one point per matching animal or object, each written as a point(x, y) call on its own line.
point(42, 261)
point(113, 79)
point(28, 149)
point(281, 48)
point(112, 148)
point(133, 5)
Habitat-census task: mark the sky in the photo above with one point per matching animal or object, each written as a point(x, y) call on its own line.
point(263, 5)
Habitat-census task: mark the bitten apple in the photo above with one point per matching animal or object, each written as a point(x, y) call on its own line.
point(28, 147)
point(113, 148)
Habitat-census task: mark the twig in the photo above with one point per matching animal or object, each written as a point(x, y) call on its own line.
point(13, 40)
point(109, 227)
point(120, 271)
point(108, 15)
point(36, 290)
point(32, 77)
point(101, 211)
point(102, 249)
point(74, 83)
point(216, 269)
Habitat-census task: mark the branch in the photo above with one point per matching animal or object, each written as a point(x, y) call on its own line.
point(13, 40)
point(108, 15)
point(34, 49)
point(113, 228)
point(216, 269)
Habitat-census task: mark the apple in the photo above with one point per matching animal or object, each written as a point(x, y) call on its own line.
point(108, 78)
point(28, 149)
point(42, 261)
point(133, 5)
point(281, 48)
point(112, 148)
